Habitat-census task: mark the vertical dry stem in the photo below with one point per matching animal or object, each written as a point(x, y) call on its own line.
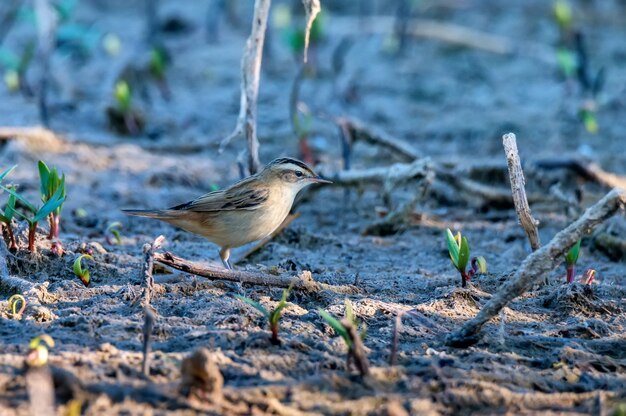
point(516, 175)
point(250, 76)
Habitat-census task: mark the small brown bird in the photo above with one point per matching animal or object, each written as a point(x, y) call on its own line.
point(247, 211)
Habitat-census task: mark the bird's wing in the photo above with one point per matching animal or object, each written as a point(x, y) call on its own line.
point(248, 194)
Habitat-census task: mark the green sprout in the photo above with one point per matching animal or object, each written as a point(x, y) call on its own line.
point(6, 217)
point(50, 182)
point(38, 350)
point(273, 316)
point(570, 259)
point(13, 302)
point(346, 328)
point(79, 271)
point(113, 229)
point(38, 214)
point(588, 116)
point(123, 96)
point(459, 250)
point(589, 277)
point(158, 63)
point(563, 15)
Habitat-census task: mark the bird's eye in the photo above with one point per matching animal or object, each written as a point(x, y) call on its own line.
point(299, 174)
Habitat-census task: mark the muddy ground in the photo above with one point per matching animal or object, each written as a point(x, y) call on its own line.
point(556, 350)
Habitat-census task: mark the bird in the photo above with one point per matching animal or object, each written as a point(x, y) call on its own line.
point(247, 211)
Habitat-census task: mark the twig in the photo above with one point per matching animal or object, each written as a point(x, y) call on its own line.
point(148, 267)
point(537, 265)
point(589, 171)
point(148, 326)
point(311, 8)
point(250, 75)
point(303, 282)
point(360, 130)
point(46, 29)
point(397, 327)
point(516, 176)
point(290, 218)
point(356, 350)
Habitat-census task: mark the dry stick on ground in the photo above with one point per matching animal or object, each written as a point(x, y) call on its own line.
point(357, 350)
point(588, 171)
point(359, 130)
point(290, 218)
point(303, 282)
point(148, 268)
point(250, 75)
point(538, 264)
point(516, 176)
point(148, 326)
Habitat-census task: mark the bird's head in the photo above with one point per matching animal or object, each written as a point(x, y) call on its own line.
point(291, 172)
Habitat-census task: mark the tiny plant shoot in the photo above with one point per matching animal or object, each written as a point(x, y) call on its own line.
point(38, 350)
point(570, 259)
point(273, 316)
point(50, 182)
point(347, 329)
point(113, 230)
point(79, 271)
point(589, 277)
point(38, 214)
point(6, 217)
point(459, 250)
point(13, 302)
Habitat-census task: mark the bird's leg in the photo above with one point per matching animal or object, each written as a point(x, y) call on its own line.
point(224, 255)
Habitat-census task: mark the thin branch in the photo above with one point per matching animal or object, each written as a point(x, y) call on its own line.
point(250, 75)
point(302, 282)
point(311, 8)
point(538, 264)
point(148, 326)
point(589, 171)
point(516, 176)
point(373, 135)
point(148, 268)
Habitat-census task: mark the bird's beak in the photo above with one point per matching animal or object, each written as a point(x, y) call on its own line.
point(318, 179)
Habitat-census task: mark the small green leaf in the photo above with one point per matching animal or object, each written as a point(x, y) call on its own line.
point(349, 313)
point(255, 305)
point(22, 199)
point(79, 271)
point(563, 14)
point(572, 255)
point(36, 342)
point(6, 172)
point(44, 178)
point(482, 264)
point(453, 248)
point(337, 326)
point(464, 253)
point(123, 96)
point(53, 203)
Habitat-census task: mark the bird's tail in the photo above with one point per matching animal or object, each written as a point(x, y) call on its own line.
point(148, 213)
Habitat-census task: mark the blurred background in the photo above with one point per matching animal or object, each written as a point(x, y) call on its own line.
point(448, 76)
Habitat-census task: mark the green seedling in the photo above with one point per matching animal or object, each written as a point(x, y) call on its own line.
point(563, 15)
point(570, 259)
point(459, 250)
point(347, 329)
point(157, 67)
point(273, 316)
point(13, 302)
point(589, 277)
point(38, 214)
point(6, 217)
point(113, 230)
point(79, 271)
point(50, 182)
point(123, 117)
point(38, 350)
